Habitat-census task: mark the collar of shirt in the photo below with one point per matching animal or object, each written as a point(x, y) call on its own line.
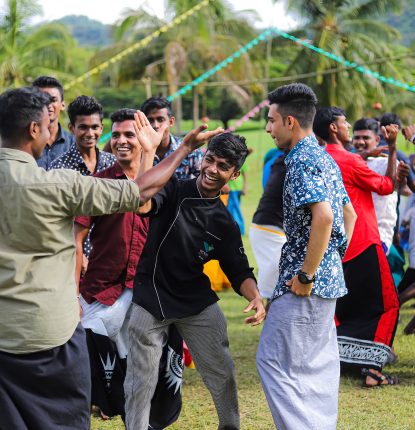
point(16, 155)
point(119, 173)
point(60, 138)
point(310, 139)
point(336, 147)
point(79, 162)
point(173, 145)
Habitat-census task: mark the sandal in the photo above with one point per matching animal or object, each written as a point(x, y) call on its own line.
point(392, 380)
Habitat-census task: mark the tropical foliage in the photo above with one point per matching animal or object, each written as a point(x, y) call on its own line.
point(27, 52)
point(356, 30)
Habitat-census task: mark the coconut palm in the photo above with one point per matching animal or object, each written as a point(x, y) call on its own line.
point(350, 29)
point(191, 48)
point(26, 52)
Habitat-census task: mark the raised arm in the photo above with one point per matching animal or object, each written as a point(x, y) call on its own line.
point(152, 180)
point(390, 133)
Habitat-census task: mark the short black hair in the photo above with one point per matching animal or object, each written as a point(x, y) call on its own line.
point(324, 117)
point(84, 105)
point(156, 103)
point(297, 100)
point(19, 108)
point(366, 124)
point(48, 82)
point(123, 114)
point(390, 118)
point(231, 147)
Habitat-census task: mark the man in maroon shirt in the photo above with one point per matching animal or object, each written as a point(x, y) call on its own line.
point(106, 288)
point(367, 316)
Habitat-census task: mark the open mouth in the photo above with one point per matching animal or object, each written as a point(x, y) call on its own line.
point(123, 149)
point(210, 178)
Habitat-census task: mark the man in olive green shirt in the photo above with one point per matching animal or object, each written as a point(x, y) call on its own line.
point(44, 378)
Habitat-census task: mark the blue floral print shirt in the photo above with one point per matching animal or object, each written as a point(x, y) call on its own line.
point(312, 176)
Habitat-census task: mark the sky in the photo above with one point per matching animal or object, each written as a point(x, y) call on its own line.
point(270, 15)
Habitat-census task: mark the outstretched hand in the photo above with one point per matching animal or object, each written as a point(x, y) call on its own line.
point(148, 138)
point(258, 305)
point(390, 133)
point(197, 137)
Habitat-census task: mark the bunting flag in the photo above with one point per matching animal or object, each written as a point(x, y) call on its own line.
point(264, 36)
point(341, 60)
point(138, 45)
point(251, 114)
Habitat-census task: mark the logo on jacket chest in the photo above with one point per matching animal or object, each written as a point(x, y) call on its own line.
point(203, 253)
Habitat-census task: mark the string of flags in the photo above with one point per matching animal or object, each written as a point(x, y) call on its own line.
point(138, 45)
point(251, 114)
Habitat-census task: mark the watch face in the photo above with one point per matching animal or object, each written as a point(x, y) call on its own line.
point(304, 279)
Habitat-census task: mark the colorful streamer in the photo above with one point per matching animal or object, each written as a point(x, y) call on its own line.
point(255, 110)
point(141, 44)
point(341, 60)
point(263, 36)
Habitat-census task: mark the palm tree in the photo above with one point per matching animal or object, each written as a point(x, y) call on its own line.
point(26, 52)
point(190, 49)
point(348, 29)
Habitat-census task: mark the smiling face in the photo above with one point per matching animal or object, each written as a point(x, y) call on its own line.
point(365, 140)
point(215, 172)
point(124, 142)
point(279, 128)
point(87, 130)
point(57, 105)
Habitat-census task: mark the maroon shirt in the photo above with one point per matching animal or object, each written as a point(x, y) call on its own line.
point(117, 242)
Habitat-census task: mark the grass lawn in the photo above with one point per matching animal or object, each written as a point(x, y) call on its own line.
point(389, 408)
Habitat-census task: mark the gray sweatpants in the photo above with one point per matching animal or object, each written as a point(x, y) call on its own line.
point(298, 363)
point(206, 337)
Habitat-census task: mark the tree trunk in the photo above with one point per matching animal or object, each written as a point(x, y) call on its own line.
point(195, 107)
point(178, 113)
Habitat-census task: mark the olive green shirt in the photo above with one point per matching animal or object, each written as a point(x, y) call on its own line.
point(38, 301)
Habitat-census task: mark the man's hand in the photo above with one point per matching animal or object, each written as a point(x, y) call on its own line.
point(197, 137)
point(390, 133)
point(379, 151)
point(409, 132)
point(402, 173)
point(257, 305)
point(299, 289)
point(84, 264)
point(148, 138)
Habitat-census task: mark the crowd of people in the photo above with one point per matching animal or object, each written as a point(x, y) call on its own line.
point(102, 256)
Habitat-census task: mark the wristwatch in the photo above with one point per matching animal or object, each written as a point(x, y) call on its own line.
point(305, 278)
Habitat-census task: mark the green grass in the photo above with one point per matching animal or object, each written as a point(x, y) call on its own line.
point(389, 408)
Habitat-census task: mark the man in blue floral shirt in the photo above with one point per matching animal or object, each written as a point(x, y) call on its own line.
point(298, 358)
point(158, 111)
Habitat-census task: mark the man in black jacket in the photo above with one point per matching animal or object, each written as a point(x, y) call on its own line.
point(189, 226)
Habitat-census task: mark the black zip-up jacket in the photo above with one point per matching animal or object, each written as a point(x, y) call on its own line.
point(186, 231)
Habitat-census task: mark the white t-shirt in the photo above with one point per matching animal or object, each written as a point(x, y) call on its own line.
point(385, 206)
